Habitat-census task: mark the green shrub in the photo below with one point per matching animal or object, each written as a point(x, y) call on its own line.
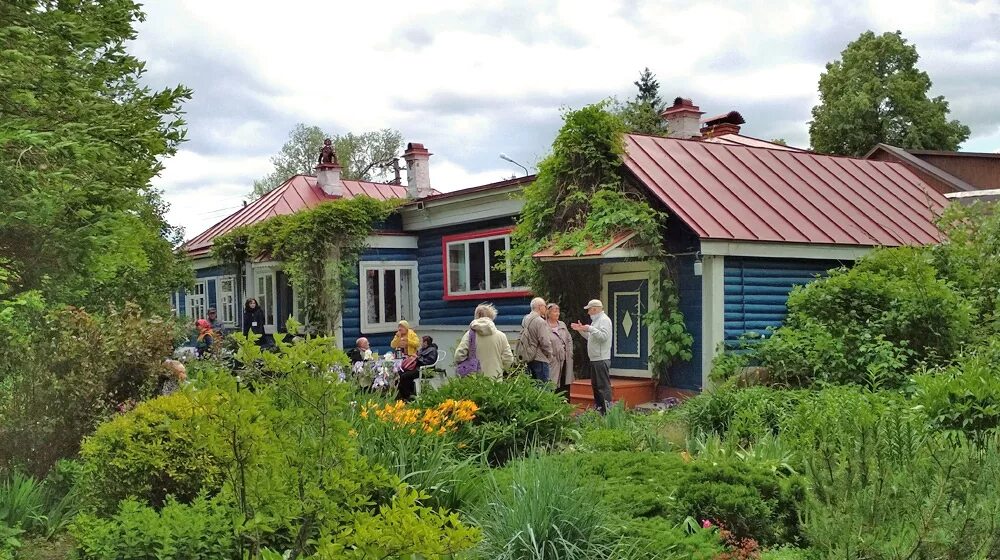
point(514, 414)
point(156, 450)
point(608, 439)
point(430, 463)
point(748, 501)
point(200, 530)
point(869, 325)
point(785, 553)
point(630, 484)
point(280, 460)
point(881, 493)
point(659, 538)
point(967, 258)
point(746, 413)
point(964, 398)
point(64, 371)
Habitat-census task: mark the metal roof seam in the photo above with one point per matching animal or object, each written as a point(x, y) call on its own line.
point(704, 190)
point(711, 153)
point(675, 206)
point(677, 182)
point(845, 219)
point(787, 198)
point(866, 235)
point(910, 179)
point(870, 196)
point(893, 201)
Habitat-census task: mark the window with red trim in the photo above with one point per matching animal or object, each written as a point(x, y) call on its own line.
point(477, 264)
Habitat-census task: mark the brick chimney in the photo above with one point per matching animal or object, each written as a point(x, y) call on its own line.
point(418, 174)
point(328, 170)
point(683, 119)
point(728, 123)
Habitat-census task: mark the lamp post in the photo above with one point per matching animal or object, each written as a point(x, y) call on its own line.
point(506, 158)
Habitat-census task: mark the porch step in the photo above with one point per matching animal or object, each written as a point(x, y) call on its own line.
point(633, 391)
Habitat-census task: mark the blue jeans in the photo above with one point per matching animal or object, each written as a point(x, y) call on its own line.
point(539, 370)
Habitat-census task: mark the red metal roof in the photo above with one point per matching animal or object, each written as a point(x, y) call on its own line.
point(731, 192)
point(618, 240)
point(296, 193)
point(741, 140)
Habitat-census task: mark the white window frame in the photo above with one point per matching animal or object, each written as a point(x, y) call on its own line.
point(270, 307)
point(220, 300)
point(197, 301)
point(509, 289)
point(381, 266)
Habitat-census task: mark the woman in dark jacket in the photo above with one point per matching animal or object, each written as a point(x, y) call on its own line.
point(253, 319)
point(426, 356)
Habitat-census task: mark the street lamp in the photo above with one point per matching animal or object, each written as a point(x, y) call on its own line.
point(505, 158)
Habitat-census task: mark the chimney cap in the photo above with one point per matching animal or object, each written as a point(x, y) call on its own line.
point(682, 105)
point(732, 117)
point(415, 148)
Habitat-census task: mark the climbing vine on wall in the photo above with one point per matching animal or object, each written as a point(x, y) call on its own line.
point(579, 200)
point(319, 249)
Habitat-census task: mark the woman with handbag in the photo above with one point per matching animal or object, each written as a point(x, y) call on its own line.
point(427, 356)
point(484, 349)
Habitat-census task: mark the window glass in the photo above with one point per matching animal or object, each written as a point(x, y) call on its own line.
point(389, 293)
point(373, 294)
point(477, 266)
point(457, 279)
point(498, 263)
point(406, 294)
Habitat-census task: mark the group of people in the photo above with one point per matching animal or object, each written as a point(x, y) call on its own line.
point(210, 329)
point(547, 348)
point(544, 345)
point(414, 352)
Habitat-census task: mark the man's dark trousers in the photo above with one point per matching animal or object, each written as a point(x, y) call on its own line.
point(600, 380)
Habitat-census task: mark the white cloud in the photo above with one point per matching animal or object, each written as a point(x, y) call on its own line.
point(470, 80)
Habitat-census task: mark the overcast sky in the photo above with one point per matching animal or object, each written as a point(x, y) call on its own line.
point(473, 79)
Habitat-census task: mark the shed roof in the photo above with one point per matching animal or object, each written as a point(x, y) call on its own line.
point(742, 193)
point(296, 193)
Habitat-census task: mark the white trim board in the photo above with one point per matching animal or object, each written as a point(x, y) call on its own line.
point(713, 302)
point(391, 242)
point(784, 250)
point(476, 207)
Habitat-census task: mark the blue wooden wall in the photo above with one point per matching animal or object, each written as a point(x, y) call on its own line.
point(687, 375)
point(756, 291)
point(434, 310)
point(352, 302)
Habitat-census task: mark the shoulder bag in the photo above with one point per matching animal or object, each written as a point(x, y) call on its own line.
point(470, 364)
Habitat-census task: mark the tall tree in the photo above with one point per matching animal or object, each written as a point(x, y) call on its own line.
point(642, 113)
point(363, 156)
point(80, 139)
point(875, 93)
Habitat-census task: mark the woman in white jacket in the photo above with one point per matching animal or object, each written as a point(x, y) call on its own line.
point(492, 347)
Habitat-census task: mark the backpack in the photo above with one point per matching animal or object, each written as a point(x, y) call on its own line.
point(470, 364)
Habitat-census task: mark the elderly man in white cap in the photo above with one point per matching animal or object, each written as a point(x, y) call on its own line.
point(598, 335)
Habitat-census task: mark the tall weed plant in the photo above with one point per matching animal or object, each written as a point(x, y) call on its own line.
point(542, 512)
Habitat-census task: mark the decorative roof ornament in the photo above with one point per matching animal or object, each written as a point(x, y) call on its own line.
point(328, 155)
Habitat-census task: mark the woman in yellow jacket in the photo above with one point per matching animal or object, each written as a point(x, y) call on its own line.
point(406, 339)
